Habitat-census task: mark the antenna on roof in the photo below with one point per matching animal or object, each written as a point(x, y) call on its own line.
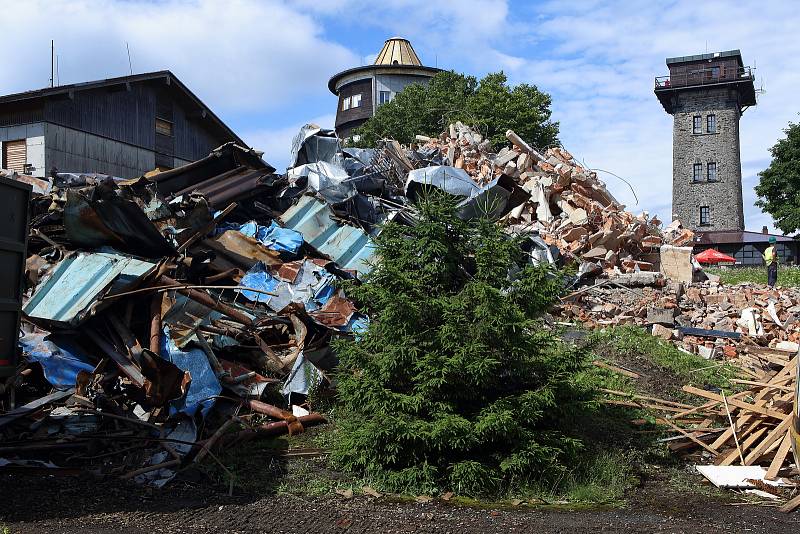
point(130, 65)
point(58, 78)
point(52, 60)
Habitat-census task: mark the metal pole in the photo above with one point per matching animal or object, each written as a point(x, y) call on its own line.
point(52, 60)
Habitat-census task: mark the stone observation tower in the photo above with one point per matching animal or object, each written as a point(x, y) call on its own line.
point(361, 90)
point(707, 94)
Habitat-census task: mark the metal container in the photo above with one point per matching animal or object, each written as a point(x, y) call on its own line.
point(14, 203)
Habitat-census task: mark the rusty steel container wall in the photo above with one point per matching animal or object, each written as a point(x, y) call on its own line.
point(350, 247)
point(14, 202)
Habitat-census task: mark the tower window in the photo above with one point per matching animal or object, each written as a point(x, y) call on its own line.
point(715, 72)
point(697, 124)
point(711, 123)
point(346, 103)
point(356, 100)
point(711, 171)
point(384, 97)
point(705, 216)
point(697, 172)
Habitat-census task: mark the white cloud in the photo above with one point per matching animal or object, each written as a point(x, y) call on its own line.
point(238, 55)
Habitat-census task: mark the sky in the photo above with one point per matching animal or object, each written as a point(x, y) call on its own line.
point(263, 65)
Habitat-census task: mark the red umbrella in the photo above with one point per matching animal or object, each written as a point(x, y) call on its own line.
point(710, 255)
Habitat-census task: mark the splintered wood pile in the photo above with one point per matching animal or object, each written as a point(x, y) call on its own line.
point(569, 205)
point(749, 428)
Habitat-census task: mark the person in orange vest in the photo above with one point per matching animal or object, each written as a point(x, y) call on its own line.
point(771, 259)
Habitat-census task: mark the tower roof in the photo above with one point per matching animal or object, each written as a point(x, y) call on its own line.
point(397, 51)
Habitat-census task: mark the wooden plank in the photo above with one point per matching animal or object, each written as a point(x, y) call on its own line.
point(686, 434)
point(760, 384)
point(746, 444)
point(791, 505)
point(736, 402)
point(645, 397)
point(616, 369)
point(34, 406)
point(780, 457)
point(773, 436)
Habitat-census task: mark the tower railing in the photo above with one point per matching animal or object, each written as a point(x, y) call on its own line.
point(703, 76)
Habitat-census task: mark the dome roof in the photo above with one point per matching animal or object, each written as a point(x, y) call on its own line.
point(397, 51)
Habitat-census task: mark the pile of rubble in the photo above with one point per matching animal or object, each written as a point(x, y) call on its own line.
point(565, 203)
point(742, 440)
point(705, 318)
point(158, 312)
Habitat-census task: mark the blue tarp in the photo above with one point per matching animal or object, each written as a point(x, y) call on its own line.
point(60, 359)
point(274, 236)
point(204, 385)
point(313, 286)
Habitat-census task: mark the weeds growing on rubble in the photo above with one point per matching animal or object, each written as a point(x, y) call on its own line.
point(683, 367)
point(455, 385)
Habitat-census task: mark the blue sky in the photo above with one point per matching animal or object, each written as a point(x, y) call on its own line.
point(263, 65)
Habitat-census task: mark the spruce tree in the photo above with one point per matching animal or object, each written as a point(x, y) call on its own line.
point(455, 385)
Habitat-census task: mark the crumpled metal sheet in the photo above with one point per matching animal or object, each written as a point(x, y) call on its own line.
point(104, 218)
point(312, 286)
point(243, 250)
point(351, 248)
point(327, 179)
point(313, 144)
point(303, 377)
point(273, 237)
point(491, 201)
point(204, 386)
point(60, 358)
point(73, 290)
point(230, 172)
point(449, 179)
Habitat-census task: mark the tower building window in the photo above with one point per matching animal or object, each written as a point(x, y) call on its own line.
point(697, 172)
point(384, 97)
point(346, 103)
point(697, 124)
point(711, 124)
point(705, 216)
point(356, 100)
point(711, 171)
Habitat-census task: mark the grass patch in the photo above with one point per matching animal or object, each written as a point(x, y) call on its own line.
point(632, 341)
point(787, 276)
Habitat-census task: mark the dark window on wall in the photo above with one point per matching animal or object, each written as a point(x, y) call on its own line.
point(711, 124)
point(384, 97)
point(715, 72)
point(697, 124)
point(697, 172)
point(705, 216)
point(711, 171)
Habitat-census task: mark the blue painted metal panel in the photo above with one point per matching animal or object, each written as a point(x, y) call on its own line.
point(350, 247)
point(68, 295)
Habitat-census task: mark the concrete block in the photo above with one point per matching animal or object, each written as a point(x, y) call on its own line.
point(676, 263)
point(663, 316)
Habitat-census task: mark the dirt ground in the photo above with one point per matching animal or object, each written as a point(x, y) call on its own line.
point(64, 504)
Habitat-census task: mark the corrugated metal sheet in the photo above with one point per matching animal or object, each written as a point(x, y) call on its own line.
point(350, 247)
point(229, 173)
point(72, 292)
point(14, 201)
